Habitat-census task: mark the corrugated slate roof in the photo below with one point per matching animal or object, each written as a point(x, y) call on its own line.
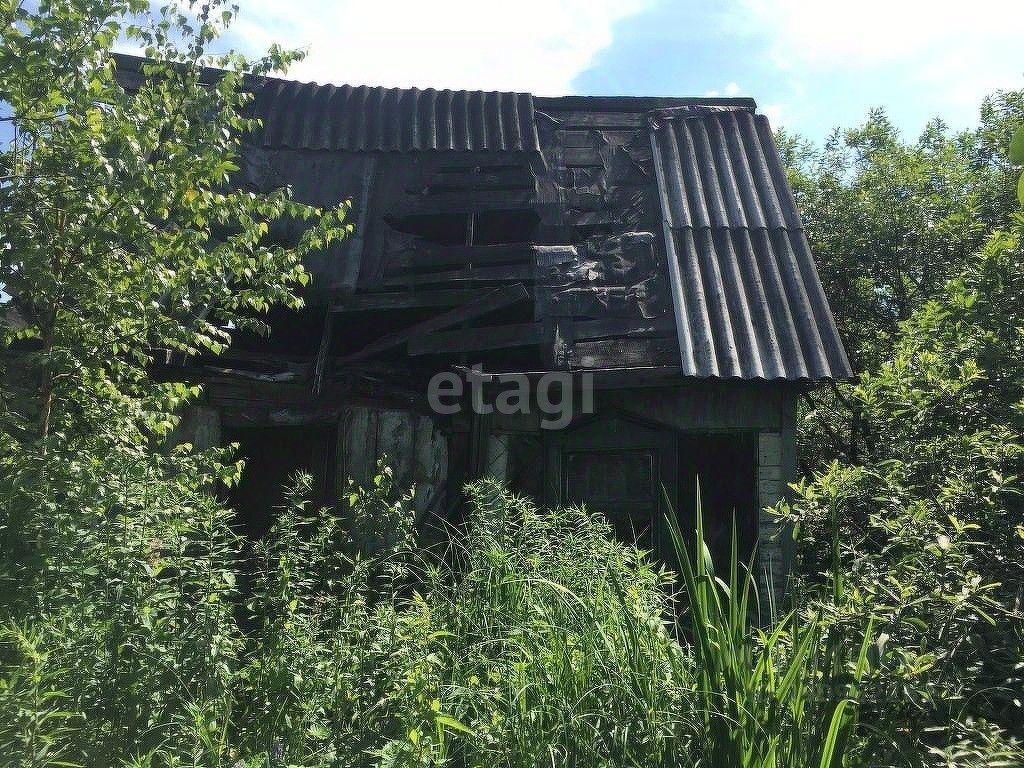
point(747, 297)
point(365, 119)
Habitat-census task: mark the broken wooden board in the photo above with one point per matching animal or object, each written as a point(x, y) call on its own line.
point(497, 299)
point(503, 273)
point(442, 297)
point(418, 256)
point(526, 334)
point(476, 339)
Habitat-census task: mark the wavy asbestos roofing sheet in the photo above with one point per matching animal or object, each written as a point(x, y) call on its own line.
point(746, 294)
point(364, 119)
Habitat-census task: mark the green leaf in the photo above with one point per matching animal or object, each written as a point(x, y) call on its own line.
point(453, 724)
point(1017, 147)
point(828, 753)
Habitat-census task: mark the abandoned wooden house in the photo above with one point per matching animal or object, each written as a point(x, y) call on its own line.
point(649, 249)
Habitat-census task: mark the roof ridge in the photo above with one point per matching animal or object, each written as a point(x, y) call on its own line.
point(695, 111)
point(131, 62)
point(407, 89)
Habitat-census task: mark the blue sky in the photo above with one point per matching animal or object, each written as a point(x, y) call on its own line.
point(810, 66)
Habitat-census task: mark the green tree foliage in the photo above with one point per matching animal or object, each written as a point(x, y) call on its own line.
point(889, 223)
point(122, 242)
point(122, 236)
point(927, 524)
point(1017, 158)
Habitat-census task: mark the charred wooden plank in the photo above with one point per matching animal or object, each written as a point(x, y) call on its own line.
point(460, 255)
point(476, 339)
point(617, 327)
point(421, 257)
point(502, 297)
point(445, 297)
point(256, 363)
point(268, 378)
point(511, 177)
point(503, 273)
point(610, 120)
point(575, 138)
point(583, 156)
point(625, 353)
point(467, 201)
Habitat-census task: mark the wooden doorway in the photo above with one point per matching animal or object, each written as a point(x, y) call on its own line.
point(622, 468)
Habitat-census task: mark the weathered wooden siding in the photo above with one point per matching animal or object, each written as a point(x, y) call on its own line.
point(704, 406)
point(416, 450)
point(200, 425)
point(513, 447)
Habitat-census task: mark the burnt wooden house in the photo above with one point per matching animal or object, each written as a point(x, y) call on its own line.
point(648, 248)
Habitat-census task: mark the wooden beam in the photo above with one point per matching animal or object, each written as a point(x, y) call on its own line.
point(497, 299)
point(459, 255)
point(476, 339)
point(503, 200)
point(627, 353)
point(583, 156)
point(363, 302)
point(505, 178)
point(503, 273)
point(622, 328)
point(438, 256)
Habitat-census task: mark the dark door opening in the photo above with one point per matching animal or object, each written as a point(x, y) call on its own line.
point(624, 469)
point(272, 457)
point(726, 465)
point(623, 485)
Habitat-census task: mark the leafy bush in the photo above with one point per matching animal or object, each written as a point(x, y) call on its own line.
point(890, 221)
point(928, 524)
point(535, 639)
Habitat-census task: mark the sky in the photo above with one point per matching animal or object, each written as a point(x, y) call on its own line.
point(811, 66)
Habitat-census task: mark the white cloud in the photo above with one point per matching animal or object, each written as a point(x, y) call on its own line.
point(941, 44)
point(729, 89)
point(532, 45)
point(775, 113)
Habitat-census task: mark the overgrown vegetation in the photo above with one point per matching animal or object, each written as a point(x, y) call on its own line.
point(928, 523)
point(890, 222)
point(540, 640)
point(914, 470)
point(136, 628)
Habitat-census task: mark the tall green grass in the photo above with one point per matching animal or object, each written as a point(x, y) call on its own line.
point(782, 696)
point(535, 639)
point(561, 652)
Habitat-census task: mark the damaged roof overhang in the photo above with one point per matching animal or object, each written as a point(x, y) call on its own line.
point(746, 299)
